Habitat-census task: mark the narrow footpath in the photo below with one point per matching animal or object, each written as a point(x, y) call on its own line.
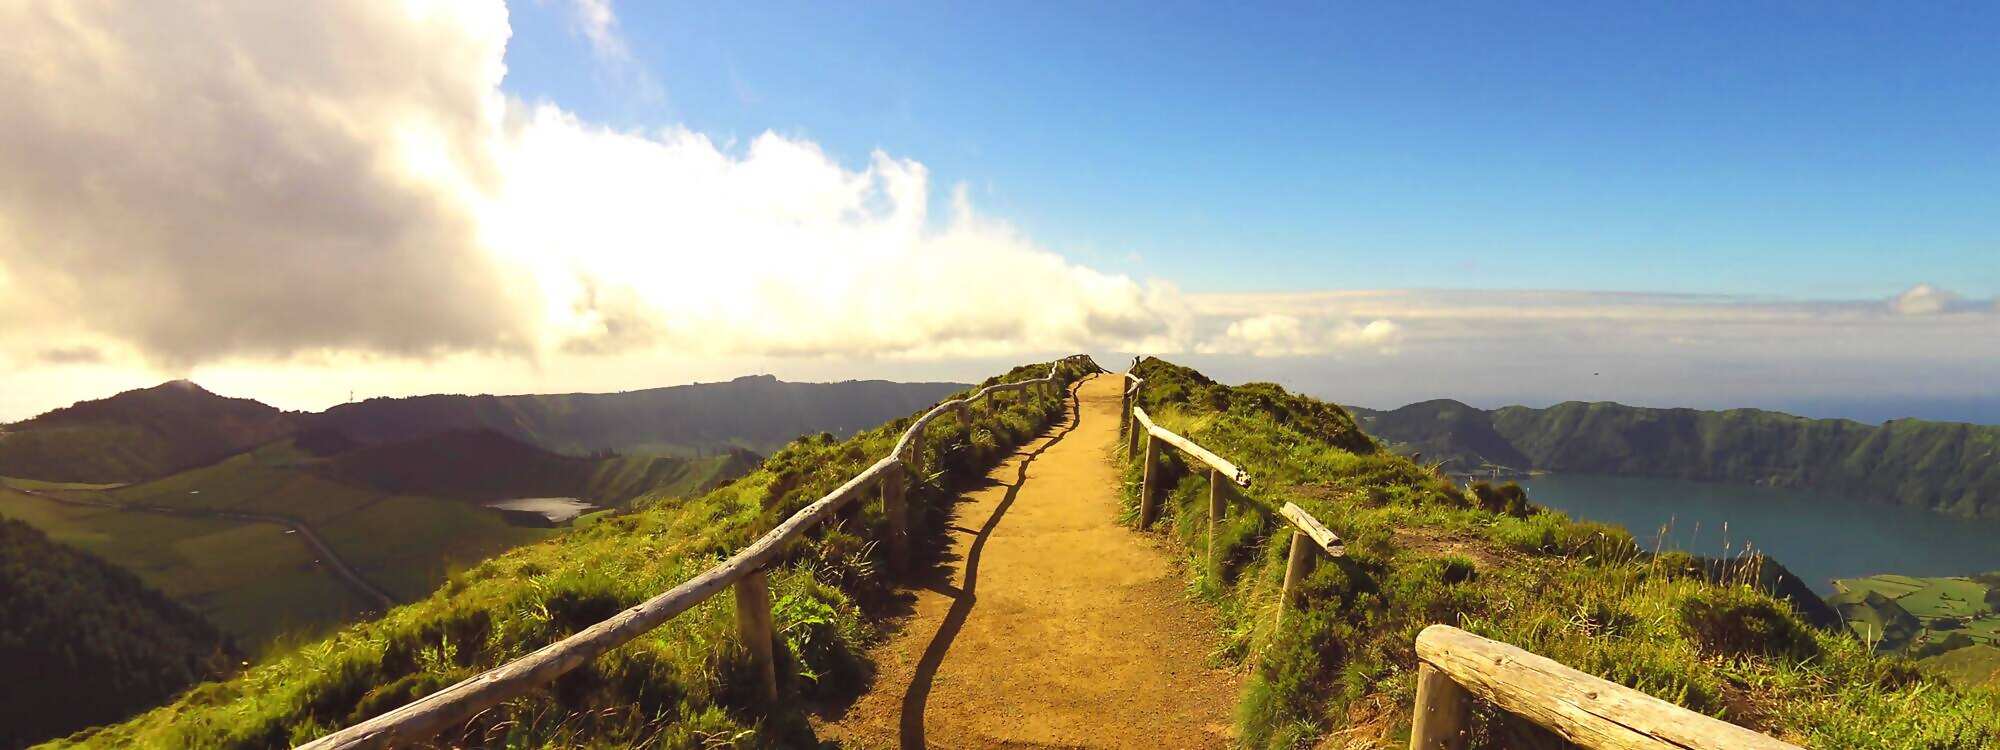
point(1050, 625)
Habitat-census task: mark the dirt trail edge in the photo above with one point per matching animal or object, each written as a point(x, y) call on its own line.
point(1050, 625)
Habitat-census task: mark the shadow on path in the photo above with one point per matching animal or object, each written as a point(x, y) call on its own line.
point(963, 599)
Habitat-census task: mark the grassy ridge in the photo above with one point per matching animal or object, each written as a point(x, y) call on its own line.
point(760, 413)
point(682, 685)
point(136, 435)
point(1943, 466)
point(1340, 673)
point(483, 464)
point(86, 642)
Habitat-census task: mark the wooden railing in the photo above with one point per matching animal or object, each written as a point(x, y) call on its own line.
point(1455, 666)
point(1308, 533)
point(1588, 711)
point(425, 718)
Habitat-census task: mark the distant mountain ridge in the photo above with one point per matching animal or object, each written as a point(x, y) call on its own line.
point(150, 433)
point(758, 412)
point(138, 435)
point(1948, 467)
point(484, 464)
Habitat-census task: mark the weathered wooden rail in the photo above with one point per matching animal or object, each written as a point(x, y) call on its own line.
point(746, 571)
point(1456, 666)
point(1308, 534)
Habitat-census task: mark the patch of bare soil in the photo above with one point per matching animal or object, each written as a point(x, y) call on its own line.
point(1053, 626)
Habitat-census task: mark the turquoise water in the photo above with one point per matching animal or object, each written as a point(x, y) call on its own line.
point(1818, 536)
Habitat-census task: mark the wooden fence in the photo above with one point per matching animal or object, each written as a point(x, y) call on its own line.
point(425, 718)
point(1456, 666)
point(1308, 533)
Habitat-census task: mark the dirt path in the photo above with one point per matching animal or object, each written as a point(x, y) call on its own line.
point(1052, 625)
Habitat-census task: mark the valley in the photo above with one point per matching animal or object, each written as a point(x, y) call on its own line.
point(1945, 467)
point(279, 527)
point(1893, 525)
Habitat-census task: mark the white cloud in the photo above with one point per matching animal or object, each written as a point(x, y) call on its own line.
point(229, 182)
point(242, 181)
point(294, 199)
point(599, 24)
point(1283, 335)
point(1922, 299)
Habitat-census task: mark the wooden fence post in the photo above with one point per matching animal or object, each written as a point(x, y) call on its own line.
point(1295, 570)
point(1217, 506)
point(1443, 711)
point(753, 627)
point(1147, 506)
point(893, 482)
point(1132, 439)
point(1124, 407)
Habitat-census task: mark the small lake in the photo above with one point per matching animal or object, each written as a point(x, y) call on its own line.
point(1818, 536)
point(556, 510)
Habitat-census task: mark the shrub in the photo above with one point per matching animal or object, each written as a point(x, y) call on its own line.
point(1735, 621)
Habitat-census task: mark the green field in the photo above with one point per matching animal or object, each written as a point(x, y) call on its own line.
point(258, 582)
point(1940, 605)
point(1947, 623)
point(253, 581)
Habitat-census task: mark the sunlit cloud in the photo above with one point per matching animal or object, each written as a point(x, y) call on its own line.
point(1922, 299)
point(298, 201)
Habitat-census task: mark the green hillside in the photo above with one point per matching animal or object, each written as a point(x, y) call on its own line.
point(137, 435)
point(760, 413)
point(482, 464)
point(682, 685)
point(85, 642)
point(1925, 617)
point(255, 580)
point(151, 433)
point(1971, 665)
point(1942, 466)
point(1340, 672)
point(402, 515)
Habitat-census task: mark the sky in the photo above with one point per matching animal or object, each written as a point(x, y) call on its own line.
point(1791, 206)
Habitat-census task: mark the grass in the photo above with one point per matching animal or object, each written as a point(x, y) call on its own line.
point(1969, 665)
point(682, 685)
point(1340, 673)
point(262, 586)
point(255, 581)
point(252, 580)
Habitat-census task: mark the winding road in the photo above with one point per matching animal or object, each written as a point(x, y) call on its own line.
point(312, 539)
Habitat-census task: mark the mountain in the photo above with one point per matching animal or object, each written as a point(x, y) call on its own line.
point(84, 642)
point(137, 435)
point(758, 412)
point(154, 432)
point(1445, 431)
point(1947, 467)
point(484, 464)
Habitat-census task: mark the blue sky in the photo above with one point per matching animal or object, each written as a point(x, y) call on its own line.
point(1787, 150)
point(1682, 204)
